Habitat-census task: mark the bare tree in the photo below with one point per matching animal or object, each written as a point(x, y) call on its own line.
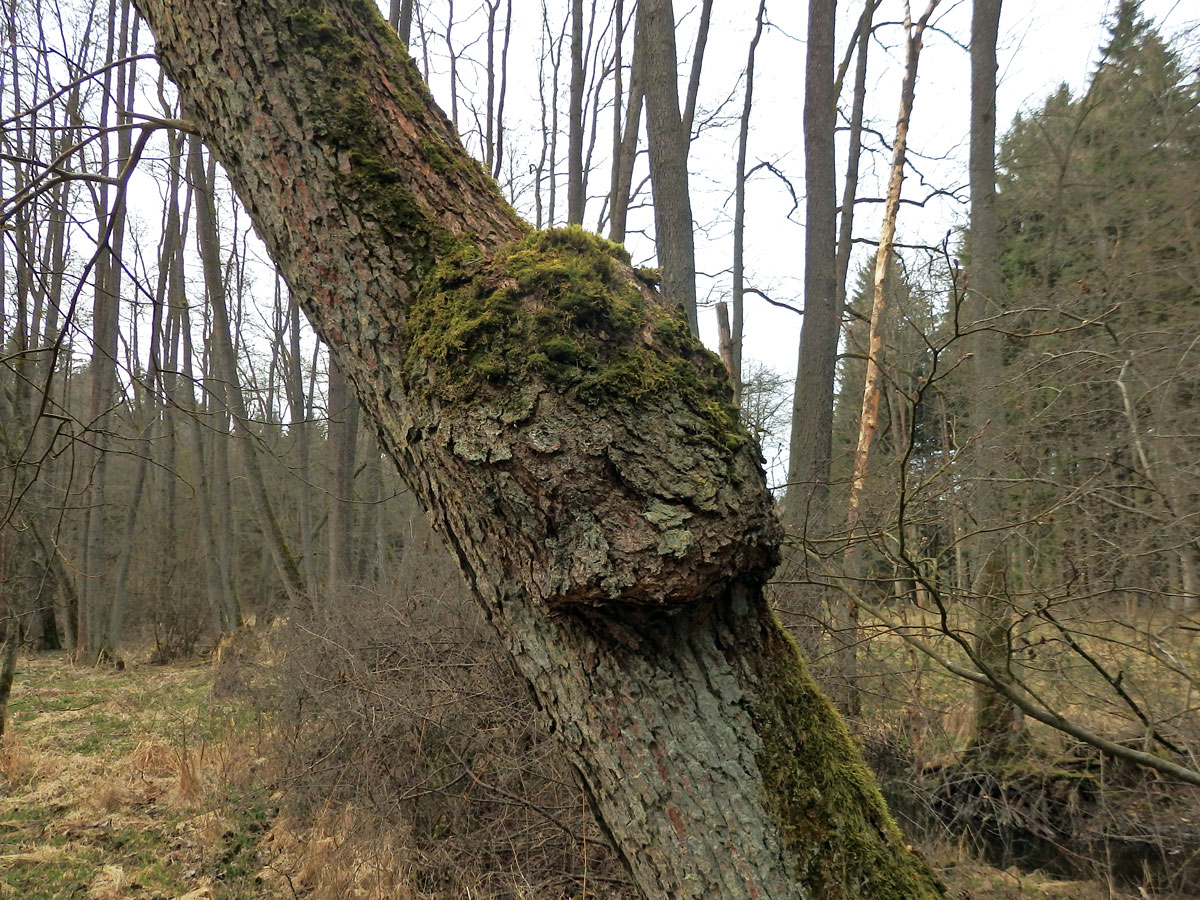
point(619, 546)
point(739, 216)
point(805, 505)
point(669, 139)
point(997, 721)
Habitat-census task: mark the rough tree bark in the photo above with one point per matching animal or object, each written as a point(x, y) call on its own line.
point(571, 439)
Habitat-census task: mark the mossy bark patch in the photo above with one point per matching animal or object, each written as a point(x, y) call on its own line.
point(344, 119)
point(563, 308)
point(831, 816)
point(345, 113)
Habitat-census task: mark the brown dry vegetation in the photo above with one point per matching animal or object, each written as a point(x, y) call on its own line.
point(399, 761)
point(1057, 805)
point(129, 784)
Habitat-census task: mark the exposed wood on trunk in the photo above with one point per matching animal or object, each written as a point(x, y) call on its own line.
point(724, 340)
point(869, 418)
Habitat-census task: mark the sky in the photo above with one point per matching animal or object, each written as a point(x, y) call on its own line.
point(1042, 44)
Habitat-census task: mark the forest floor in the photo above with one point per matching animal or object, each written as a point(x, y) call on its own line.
point(140, 785)
point(130, 784)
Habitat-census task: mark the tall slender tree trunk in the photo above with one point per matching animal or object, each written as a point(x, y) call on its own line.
point(669, 142)
point(370, 557)
point(625, 139)
point(226, 364)
point(739, 217)
point(548, 163)
point(812, 417)
point(218, 587)
point(172, 237)
point(997, 720)
point(846, 637)
point(301, 433)
point(218, 438)
point(94, 583)
point(617, 543)
point(575, 190)
point(400, 16)
point(810, 447)
point(342, 442)
point(8, 651)
point(845, 239)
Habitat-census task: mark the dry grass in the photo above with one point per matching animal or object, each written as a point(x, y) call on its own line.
point(119, 786)
point(336, 857)
point(140, 785)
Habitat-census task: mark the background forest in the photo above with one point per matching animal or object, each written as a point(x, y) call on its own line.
point(989, 474)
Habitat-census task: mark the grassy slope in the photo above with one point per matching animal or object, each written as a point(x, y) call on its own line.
point(129, 785)
point(138, 785)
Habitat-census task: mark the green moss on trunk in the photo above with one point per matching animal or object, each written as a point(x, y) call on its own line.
point(346, 116)
point(561, 307)
point(828, 808)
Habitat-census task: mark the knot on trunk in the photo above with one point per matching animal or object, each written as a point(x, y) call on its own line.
point(592, 432)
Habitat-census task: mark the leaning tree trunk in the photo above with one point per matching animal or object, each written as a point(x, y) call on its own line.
point(575, 444)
